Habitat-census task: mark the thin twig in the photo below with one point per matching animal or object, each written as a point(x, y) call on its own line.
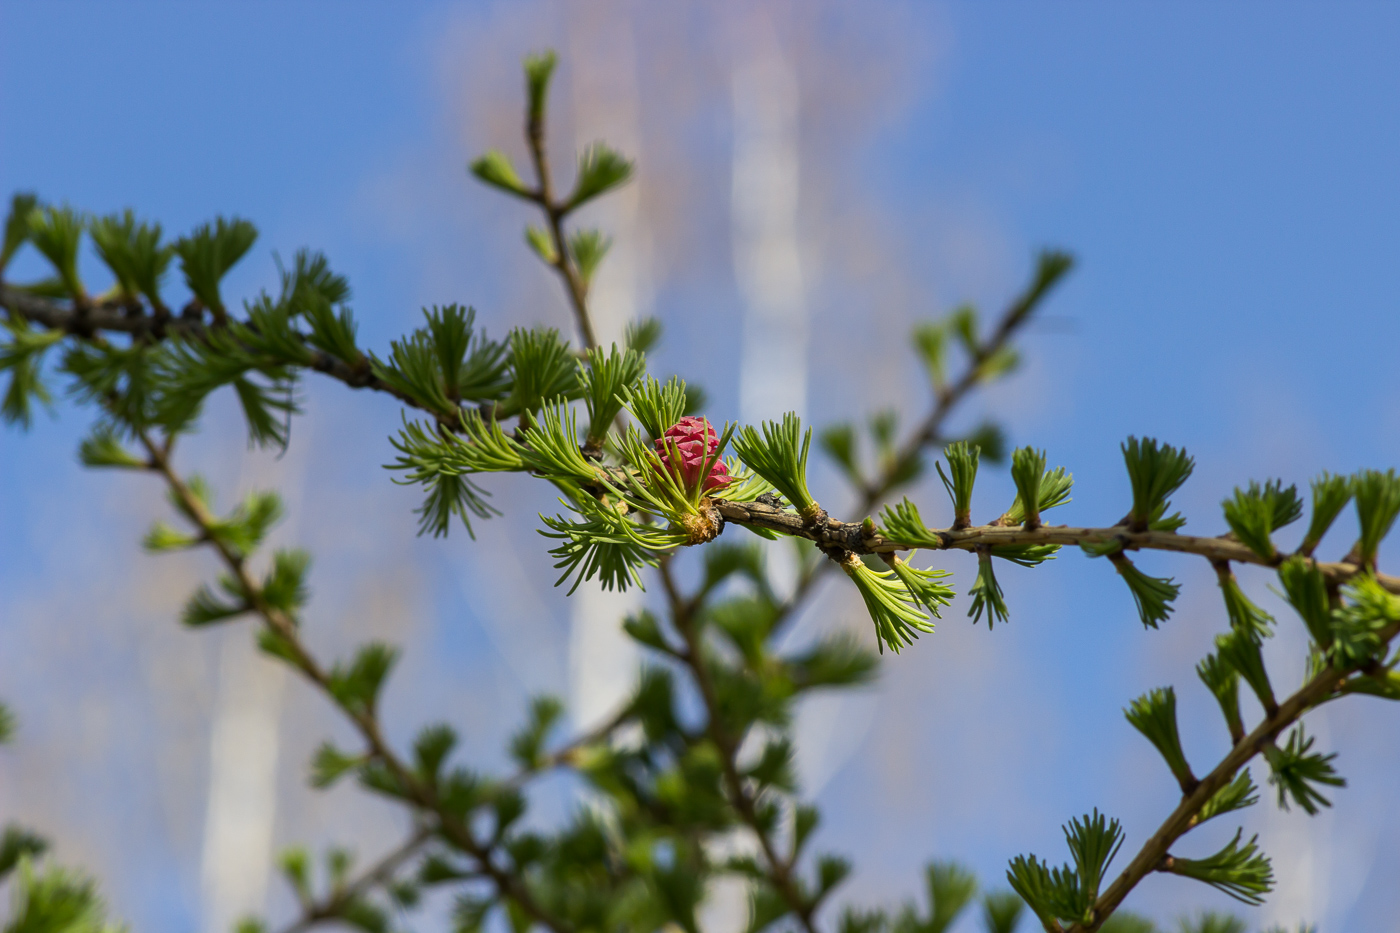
point(780, 870)
point(420, 793)
point(947, 398)
point(381, 872)
point(143, 326)
point(1181, 820)
point(851, 536)
point(555, 213)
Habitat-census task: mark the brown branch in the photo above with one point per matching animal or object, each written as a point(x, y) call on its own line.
point(947, 398)
point(420, 793)
point(1150, 857)
point(852, 536)
point(333, 905)
point(115, 318)
point(555, 212)
point(744, 803)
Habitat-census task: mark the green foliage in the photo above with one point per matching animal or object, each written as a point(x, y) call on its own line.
point(839, 443)
point(1153, 596)
point(543, 370)
point(311, 281)
point(7, 724)
point(923, 585)
point(962, 464)
point(1093, 842)
point(779, 455)
point(1243, 872)
point(447, 362)
point(246, 526)
point(1025, 555)
point(986, 594)
point(440, 460)
point(188, 370)
point(655, 406)
point(1124, 922)
point(330, 764)
point(22, 205)
point(134, 253)
point(892, 606)
point(604, 377)
point(1377, 497)
point(1209, 921)
point(1297, 769)
point(896, 466)
point(1048, 488)
point(930, 342)
point(527, 745)
point(207, 254)
point(1001, 911)
point(1240, 650)
point(119, 379)
point(550, 447)
point(355, 686)
point(644, 335)
point(1306, 589)
point(103, 448)
point(1051, 265)
point(295, 865)
point(539, 240)
point(600, 169)
point(494, 169)
point(1330, 494)
point(17, 844)
point(431, 748)
point(641, 858)
point(1027, 471)
point(951, 888)
point(57, 232)
point(207, 608)
point(23, 356)
point(1154, 715)
point(1236, 795)
point(1245, 616)
point(1067, 893)
point(539, 68)
point(1356, 629)
point(903, 524)
point(1223, 681)
point(1256, 513)
point(606, 545)
point(588, 248)
point(1155, 471)
point(55, 900)
point(284, 587)
point(991, 439)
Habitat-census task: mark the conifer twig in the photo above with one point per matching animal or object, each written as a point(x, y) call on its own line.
point(381, 872)
point(555, 212)
point(779, 868)
point(422, 795)
point(1151, 857)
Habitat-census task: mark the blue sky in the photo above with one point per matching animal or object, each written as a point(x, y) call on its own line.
point(1228, 175)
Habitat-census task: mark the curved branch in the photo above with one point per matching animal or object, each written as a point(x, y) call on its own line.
point(1150, 857)
point(381, 872)
point(852, 536)
point(744, 803)
point(141, 325)
point(420, 793)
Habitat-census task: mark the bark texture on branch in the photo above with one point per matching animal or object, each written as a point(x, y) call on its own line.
point(852, 536)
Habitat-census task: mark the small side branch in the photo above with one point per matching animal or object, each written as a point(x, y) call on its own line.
point(1153, 852)
point(333, 906)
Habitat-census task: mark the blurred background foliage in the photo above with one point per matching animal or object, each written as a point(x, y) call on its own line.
point(1227, 184)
